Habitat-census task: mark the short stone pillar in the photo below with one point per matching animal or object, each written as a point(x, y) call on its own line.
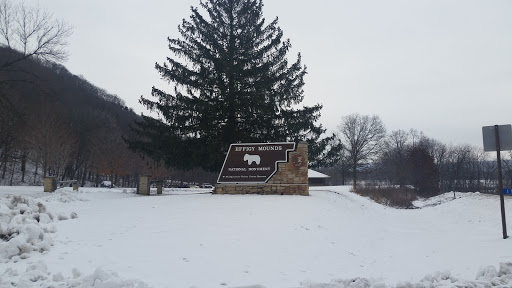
point(75, 186)
point(144, 188)
point(50, 184)
point(159, 187)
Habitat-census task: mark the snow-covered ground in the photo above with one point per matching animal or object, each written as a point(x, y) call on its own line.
point(100, 237)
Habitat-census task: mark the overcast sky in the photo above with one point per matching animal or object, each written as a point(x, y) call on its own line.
point(441, 67)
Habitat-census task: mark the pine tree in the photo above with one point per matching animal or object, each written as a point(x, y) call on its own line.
point(232, 84)
point(423, 172)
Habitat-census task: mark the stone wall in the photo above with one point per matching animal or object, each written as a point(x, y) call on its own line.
point(288, 180)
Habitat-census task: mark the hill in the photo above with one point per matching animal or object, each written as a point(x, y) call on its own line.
point(55, 123)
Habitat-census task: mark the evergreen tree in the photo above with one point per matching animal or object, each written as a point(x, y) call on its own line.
point(423, 173)
point(232, 83)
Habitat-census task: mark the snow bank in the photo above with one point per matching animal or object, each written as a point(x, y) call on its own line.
point(436, 200)
point(486, 277)
point(25, 227)
point(37, 275)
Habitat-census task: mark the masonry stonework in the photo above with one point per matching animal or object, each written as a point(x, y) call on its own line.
point(49, 184)
point(144, 188)
point(288, 180)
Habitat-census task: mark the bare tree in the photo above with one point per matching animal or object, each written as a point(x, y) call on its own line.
point(362, 137)
point(343, 166)
point(394, 156)
point(33, 32)
point(416, 137)
point(28, 32)
point(52, 141)
point(439, 151)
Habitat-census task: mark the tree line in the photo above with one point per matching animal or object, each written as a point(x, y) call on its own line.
point(231, 82)
point(54, 123)
point(402, 158)
point(57, 123)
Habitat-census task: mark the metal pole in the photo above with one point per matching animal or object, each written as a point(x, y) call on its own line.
point(500, 183)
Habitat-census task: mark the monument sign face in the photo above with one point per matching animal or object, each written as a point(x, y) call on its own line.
point(253, 163)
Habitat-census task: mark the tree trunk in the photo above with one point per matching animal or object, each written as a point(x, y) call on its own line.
point(84, 175)
point(354, 177)
point(44, 168)
point(23, 166)
point(35, 172)
point(5, 165)
point(12, 171)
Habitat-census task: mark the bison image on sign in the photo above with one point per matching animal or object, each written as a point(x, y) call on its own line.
point(253, 163)
point(252, 158)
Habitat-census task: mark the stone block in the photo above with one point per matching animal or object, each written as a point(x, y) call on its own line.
point(49, 184)
point(144, 188)
point(159, 187)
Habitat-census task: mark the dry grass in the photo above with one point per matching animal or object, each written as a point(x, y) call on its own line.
point(390, 196)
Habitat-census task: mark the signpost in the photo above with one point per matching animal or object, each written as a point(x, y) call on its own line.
point(499, 138)
point(253, 163)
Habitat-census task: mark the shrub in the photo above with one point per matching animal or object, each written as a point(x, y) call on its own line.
point(398, 197)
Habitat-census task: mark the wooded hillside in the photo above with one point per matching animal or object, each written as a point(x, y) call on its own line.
point(60, 124)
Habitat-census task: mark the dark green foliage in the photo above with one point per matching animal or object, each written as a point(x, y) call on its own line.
point(326, 152)
point(423, 173)
point(232, 83)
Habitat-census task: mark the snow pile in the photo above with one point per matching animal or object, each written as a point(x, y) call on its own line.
point(25, 227)
point(64, 197)
point(486, 277)
point(502, 278)
point(38, 273)
point(437, 200)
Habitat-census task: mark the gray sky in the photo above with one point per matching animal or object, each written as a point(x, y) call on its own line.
point(441, 67)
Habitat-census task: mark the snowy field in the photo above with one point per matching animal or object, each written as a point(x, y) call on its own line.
point(100, 237)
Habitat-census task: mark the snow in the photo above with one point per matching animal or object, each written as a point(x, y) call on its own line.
point(316, 174)
point(106, 184)
point(101, 237)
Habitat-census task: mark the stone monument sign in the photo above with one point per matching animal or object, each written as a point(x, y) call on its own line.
point(253, 163)
point(265, 168)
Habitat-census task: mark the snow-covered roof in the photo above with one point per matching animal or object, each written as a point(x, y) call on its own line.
point(316, 174)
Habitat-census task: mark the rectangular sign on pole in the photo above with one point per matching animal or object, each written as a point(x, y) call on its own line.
point(507, 191)
point(499, 138)
point(489, 136)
